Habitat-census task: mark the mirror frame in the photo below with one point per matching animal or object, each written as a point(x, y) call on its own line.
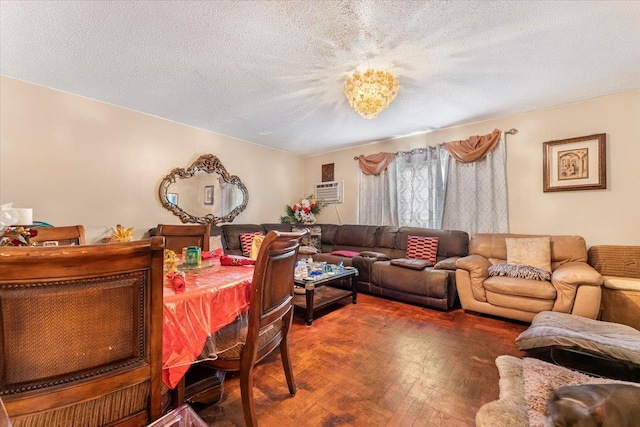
point(210, 164)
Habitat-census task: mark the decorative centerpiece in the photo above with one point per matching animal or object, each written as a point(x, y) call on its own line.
point(18, 236)
point(303, 212)
point(170, 261)
point(119, 234)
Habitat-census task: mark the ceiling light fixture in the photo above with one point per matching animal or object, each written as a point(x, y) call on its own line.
point(370, 92)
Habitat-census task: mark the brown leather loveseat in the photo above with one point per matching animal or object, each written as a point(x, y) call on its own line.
point(574, 286)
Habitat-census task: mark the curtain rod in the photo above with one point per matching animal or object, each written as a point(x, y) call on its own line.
point(512, 131)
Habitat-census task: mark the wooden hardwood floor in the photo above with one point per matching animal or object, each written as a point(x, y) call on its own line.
point(378, 363)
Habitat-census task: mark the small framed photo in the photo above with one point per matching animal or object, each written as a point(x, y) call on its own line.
point(208, 194)
point(327, 172)
point(172, 198)
point(575, 164)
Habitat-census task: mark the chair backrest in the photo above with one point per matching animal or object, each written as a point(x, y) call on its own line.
point(271, 306)
point(177, 237)
point(81, 334)
point(64, 236)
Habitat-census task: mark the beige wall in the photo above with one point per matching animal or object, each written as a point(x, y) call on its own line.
point(79, 161)
point(610, 216)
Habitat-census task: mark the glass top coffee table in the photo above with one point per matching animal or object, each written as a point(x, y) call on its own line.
point(317, 295)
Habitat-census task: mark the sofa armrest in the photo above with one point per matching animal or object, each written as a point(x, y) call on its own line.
point(476, 265)
point(447, 263)
point(364, 266)
point(567, 278)
point(476, 269)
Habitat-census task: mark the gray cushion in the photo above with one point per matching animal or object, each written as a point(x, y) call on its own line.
point(553, 329)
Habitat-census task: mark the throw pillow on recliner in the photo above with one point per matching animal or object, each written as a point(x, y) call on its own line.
point(422, 247)
point(531, 251)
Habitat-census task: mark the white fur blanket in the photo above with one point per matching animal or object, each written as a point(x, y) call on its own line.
point(525, 387)
point(541, 378)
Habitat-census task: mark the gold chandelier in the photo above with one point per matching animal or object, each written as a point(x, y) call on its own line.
point(370, 92)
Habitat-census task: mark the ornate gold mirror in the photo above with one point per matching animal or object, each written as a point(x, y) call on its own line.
point(203, 193)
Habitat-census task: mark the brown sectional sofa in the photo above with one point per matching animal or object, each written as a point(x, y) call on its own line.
point(431, 286)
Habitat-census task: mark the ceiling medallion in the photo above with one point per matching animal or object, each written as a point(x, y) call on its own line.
point(370, 92)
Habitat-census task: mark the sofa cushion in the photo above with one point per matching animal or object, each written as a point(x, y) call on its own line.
point(422, 247)
point(267, 227)
point(414, 264)
point(521, 271)
point(363, 236)
point(246, 240)
point(520, 303)
point(386, 236)
point(535, 289)
point(532, 251)
point(427, 282)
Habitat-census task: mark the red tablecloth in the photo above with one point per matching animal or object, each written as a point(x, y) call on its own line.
point(214, 297)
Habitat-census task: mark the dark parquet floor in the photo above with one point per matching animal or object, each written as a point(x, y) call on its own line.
point(378, 363)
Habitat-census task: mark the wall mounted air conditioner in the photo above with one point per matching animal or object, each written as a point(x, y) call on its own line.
point(329, 192)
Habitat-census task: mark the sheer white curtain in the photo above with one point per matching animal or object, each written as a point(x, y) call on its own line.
point(420, 186)
point(377, 199)
point(476, 194)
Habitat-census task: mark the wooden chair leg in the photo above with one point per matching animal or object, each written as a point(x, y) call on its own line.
point(177, 394)
point(286, 364)
point(246, 391)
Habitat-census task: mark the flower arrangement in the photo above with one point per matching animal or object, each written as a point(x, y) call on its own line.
point(119, 234)
point(17, 236)
point(303, 212)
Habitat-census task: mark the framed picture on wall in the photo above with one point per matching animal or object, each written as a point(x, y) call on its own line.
point(327, 172)
point(208, 194)
point(575, 164)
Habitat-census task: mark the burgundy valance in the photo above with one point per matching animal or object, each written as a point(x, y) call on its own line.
point(474, 148)
point(375, 164)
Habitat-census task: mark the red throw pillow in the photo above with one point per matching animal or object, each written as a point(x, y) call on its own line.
point(246, 240)
point(345, 253)
point(422, 247)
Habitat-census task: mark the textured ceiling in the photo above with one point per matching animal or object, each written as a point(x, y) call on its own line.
point(271, 72)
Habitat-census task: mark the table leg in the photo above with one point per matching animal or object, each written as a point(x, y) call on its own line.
point(177, 394)
point(309, 298)
point(354, 288)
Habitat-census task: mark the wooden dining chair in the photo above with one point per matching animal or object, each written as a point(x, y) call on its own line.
point(63, 236)
point(269, 317)
point(81, 334)
point(177, 237)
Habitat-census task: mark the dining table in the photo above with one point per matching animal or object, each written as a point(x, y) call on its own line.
point(210, 297)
